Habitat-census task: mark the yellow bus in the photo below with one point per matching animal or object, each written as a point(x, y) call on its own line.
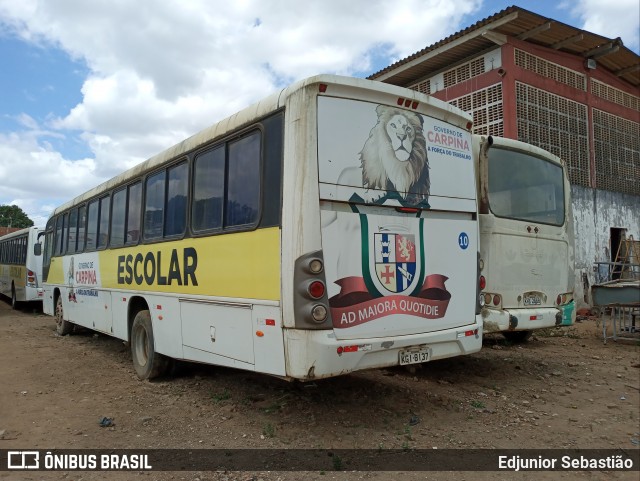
point(330, 227)
point(526, 238)
point(21, 266)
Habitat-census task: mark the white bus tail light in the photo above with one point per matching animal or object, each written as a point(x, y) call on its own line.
point(319, 313)
point(496, 300)
point(483, 283)
point(316, 266)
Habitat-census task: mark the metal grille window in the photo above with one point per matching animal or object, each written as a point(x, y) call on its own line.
point(464, 72)
point(556, 124)
point(423, 87)
point(612, 94)
point(550, 70)
point(617, 150)
point(486, 107)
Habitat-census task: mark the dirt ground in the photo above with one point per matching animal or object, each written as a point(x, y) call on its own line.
point(565, 388)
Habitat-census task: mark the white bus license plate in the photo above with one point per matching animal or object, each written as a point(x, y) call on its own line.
point(532, 300)
point(414, 357)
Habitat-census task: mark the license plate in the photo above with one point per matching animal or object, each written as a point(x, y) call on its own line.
point(532, 300)
point(414, 356)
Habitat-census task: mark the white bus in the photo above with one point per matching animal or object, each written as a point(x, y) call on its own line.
point(21, 266)
point(526, 238)
point(329, 228)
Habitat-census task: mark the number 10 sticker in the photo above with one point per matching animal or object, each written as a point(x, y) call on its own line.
point(463, 240)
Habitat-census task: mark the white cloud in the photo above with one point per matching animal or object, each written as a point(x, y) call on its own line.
point(161, 70)
point(620, 18)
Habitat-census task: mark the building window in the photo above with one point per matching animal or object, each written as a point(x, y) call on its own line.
point(556, 124)
point(486, 107)
point(550, 70)
point(617, 150)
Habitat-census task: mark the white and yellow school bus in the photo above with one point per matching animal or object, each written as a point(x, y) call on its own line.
point(329, 228)
point(21, 266)
point(526, 238)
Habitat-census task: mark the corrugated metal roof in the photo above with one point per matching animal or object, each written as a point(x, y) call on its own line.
point(520, 23)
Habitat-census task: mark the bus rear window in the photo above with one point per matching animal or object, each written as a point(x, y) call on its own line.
point(525, 187)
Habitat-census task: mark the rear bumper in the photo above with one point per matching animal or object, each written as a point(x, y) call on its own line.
point(314, 354)
point(496, 320)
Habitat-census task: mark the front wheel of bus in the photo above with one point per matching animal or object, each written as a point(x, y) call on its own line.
point(146, 361)
point(517, 336)
point(62, 327)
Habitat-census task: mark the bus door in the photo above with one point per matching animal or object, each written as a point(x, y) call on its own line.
point(399, 231)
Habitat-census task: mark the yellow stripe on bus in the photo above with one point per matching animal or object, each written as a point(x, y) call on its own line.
point(242, 265)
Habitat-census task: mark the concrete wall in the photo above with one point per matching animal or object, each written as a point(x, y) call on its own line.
point(595, 212)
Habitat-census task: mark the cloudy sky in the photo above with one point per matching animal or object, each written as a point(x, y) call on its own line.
point(90, 88)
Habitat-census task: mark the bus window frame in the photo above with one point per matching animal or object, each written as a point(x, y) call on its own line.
point(560, 165)
point(225, 141)
point(185, 159)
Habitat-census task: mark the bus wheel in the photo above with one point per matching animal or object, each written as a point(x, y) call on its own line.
point(14, 299)
point(517, 337)
point(146, 361)
point(62, 327)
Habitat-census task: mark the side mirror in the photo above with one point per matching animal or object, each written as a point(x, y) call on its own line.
point(37, 249)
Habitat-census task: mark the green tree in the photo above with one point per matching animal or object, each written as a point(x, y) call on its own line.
point(13, 216)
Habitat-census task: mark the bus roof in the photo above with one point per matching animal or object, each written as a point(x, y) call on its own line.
point(259, 110)
point(20, 232)
point(506, 143)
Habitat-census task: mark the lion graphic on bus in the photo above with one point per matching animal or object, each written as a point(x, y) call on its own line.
point(393, 160)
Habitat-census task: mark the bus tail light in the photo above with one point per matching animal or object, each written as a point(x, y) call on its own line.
point(311, 304)
point(564, 298)
point(480, 284)
point(407, 103)
point(496, 300)
point(31, 278)
point(319, 313)
point(353, 348)
point(316, 289)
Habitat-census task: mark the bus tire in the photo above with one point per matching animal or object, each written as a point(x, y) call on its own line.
point(63, 327)
point(14, 299)
point(517, 337)
point(147, 363)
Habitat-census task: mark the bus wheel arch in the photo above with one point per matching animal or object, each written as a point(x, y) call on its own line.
point(147, 363)
point(63, 327)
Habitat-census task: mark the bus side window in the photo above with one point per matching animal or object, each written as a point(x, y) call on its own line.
point(243, 189)
point(176, 211)
point(154, 206)
point(118, 215)
point(103, 224)
point(208, 190)
point(92, 225)
point(133, 213)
